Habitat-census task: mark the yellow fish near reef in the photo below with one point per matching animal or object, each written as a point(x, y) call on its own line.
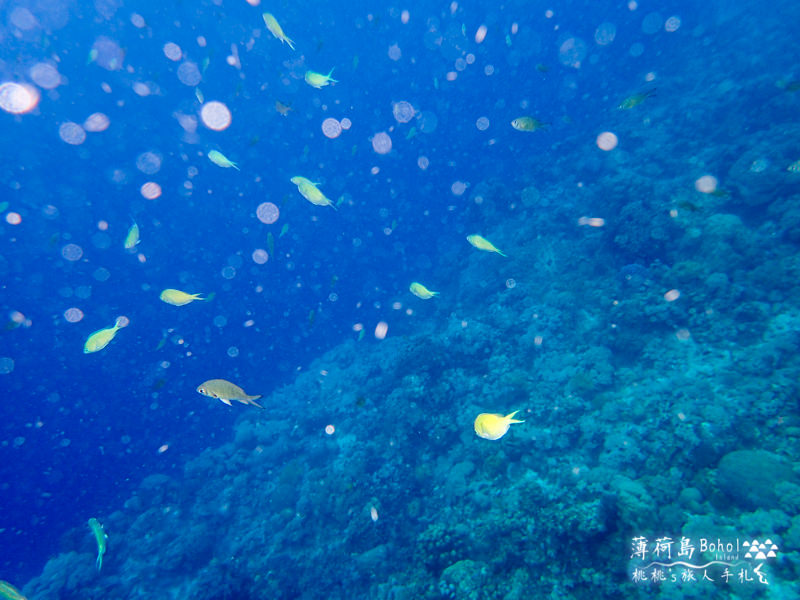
point(102, 337)
point(219, 159)
point(481, 243)
point(225, 391)
point(275, 30)
point(9, 592)
point(318, 80)
point(635, 100)
point(528, 124)
point(179, 298)
point(309, 190)
point(420, 291)
point(491, 426)
point(133, 237)
point(101, 538)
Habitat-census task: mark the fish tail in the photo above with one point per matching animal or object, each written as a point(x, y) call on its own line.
point(502, 253)
point(511, 418)
point(329, 76)
point(288, 41)
point(235, 166)
point(252, 400)
point(99, 562)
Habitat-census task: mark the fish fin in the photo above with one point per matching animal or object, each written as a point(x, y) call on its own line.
point(235, 166)
point(99, 562)
point(252, 400)
point(331, 78)
point(226, 401)
point(288, 41)
point(333, 205)
point(511, 418)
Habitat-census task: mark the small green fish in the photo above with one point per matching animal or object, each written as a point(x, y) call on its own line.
point(481, 243)
point(318, 80)
point(9, 592)
point(420, 291)
point(284, 229)
point(133, 237)
point(102, 337)
point(271, 243)
point(101, 538)
point(528, 124)
point(199, 95)
point(412, 133)
point(225, 391)
point(635, 100)
point(312, 315)
point(3, 206)
point(219, 159)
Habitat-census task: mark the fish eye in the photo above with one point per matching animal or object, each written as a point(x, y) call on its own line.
point(201, 390)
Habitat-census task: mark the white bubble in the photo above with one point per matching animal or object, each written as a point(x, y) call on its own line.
point(189, 74)
point(346, 123)
point(72, 133)
point(45, 76)
point(331, 128)
point(672, 24)
point(572, 52)
point(394, 52)
point(460, 64)
point(607, 141)
point(382, 143)
point(173, 51)
point(707, 184)
point(148, 163)
point(480, 35)
point(423, 162)
point(381, 329)
point(403, 111)
point(482, 123)
point(215, 115)
point(73, 315)
point(458, 188)
point(150, 190)
point(6, 365)
point(18, 98)
point(605, 34)
point(72, 252)
point(228, 272)
point(267, 213)
point(96, 122)
point(233, 352)
point(260, 256)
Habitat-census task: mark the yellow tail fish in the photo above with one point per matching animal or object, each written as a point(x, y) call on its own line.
point(492, 426)
point(225, 391)
point(481, 243)
point(309, 190)
point(101, 538)
point(420, 291)
point(179, 298)
point(318, 80)
point(102, 337)
point(276, 30)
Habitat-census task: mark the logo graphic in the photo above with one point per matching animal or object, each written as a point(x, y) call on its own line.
point(706, 560)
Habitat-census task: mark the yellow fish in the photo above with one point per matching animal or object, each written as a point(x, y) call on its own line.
point(635, 100)
point(420, 291)
point(219, 159)
point(101, 538)
point(481, 243)
point(225, 391)
point(309, 190)
point(528, 124)
point(133, 237)
point(318, 80)
point(491, 426)
point(794, 167)
point(275, 30)
point(179, 298)
point(9, 592)
point(102, 337)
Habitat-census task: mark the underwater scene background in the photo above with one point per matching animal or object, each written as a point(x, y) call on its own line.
point(633, 171)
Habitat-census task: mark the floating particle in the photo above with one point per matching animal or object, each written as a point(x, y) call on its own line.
point(394, 52)
point(346, 123)
point(220, 321)
point(572, 52)
point(605, 34)
point(172, 51)
point(96, 122)
point(403, 111)
point(381, 329)
point(23, 18)
point(451, 76)
point(591, 221)
point(482, 123)
point(148, 163)
point(458, 188)
point(138, 21)
point(107, 54)
point(331, 128)
point(636, 49)
point(150, 190)
point(233, 352)
point(101, 274)
point(423, 162)
point(707, 184)
point(511, 284)
point(480, 35)
point(73, 315)
point(189, 74)
point(267, 213)
point(163, 448)
point(373, 513)
point(260, 256)
point(652, 23)
point(404, 17)
point(72, 252)
point(607, 141)
point(72, 133)
point(215, 115)
point(45, 75)
point(488, 70)
point(330, 429)
point(672, 24)
point(672, 295)
point(382, 143)
point(683, 334)
point(13, 218)
point(460, 64)
point(228, 272)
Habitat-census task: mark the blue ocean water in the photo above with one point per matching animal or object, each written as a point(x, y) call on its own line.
point(644, 320)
